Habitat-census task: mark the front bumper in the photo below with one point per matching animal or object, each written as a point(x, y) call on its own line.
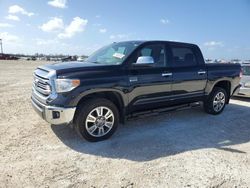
point(52, 114)
point(243, 92)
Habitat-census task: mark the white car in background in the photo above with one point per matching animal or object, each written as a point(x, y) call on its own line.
point(245, 81)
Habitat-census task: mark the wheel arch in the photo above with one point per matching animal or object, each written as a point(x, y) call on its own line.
point(226, 85)
point(114, 96)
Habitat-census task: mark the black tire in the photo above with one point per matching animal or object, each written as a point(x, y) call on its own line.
point(85, 109)
point(208, 103)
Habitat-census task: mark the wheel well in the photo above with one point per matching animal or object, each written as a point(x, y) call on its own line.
point(109, 95)
point(225, 85)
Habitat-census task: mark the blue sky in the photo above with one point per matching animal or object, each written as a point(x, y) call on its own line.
point(220, 27)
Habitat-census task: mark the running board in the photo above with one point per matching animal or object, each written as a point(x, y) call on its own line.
point(163, 110)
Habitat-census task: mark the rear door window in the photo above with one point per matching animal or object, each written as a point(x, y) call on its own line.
point(183, 57)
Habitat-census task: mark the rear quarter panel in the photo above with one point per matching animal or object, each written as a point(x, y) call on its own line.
point(222, 72)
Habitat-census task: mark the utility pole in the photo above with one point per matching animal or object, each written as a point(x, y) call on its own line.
point(1, 43)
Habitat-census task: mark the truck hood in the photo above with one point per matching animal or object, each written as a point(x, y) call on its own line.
point(72, 66)
point(69, 65)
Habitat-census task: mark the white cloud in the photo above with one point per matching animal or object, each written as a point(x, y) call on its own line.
point(54, 24)
point(164, 21)
point(213, 44)
point(76, 26)
point(58, 3)
point(6, 25)
point(12, 17)
point(103, 30)
point(15, 9)
point(9, 37)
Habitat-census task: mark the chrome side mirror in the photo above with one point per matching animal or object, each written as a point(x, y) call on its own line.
point(145, 60)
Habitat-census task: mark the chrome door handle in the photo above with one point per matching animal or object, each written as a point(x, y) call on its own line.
point(133, 79)
point(201, 72)
point(167, 74)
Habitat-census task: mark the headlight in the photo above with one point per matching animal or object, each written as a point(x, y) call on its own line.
point(65, 85)
point(247, 84)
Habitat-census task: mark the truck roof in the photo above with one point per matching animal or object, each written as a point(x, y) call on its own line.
point(170, 42)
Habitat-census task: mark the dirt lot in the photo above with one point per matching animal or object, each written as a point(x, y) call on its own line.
point(180, 149)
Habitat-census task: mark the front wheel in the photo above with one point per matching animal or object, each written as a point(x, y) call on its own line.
point(216, 101)
point(97, 119)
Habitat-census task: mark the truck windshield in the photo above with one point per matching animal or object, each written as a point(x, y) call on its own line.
point(113, 54)
point(246, 70)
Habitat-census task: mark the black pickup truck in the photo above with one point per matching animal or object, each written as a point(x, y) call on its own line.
point(125, 78)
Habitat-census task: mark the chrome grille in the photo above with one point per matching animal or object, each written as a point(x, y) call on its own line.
point(41, 85)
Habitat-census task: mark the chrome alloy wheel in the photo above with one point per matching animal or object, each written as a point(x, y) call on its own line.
point(219, 101)
point(99, 121)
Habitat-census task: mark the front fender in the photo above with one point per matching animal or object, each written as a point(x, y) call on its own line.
point(87, 92)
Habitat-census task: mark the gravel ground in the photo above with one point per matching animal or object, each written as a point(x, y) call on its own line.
point(180, 149)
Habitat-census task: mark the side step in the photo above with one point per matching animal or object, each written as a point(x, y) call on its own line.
point(160, 111)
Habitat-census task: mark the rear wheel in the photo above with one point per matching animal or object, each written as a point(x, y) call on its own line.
point(216, 101)
point(97, 119)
